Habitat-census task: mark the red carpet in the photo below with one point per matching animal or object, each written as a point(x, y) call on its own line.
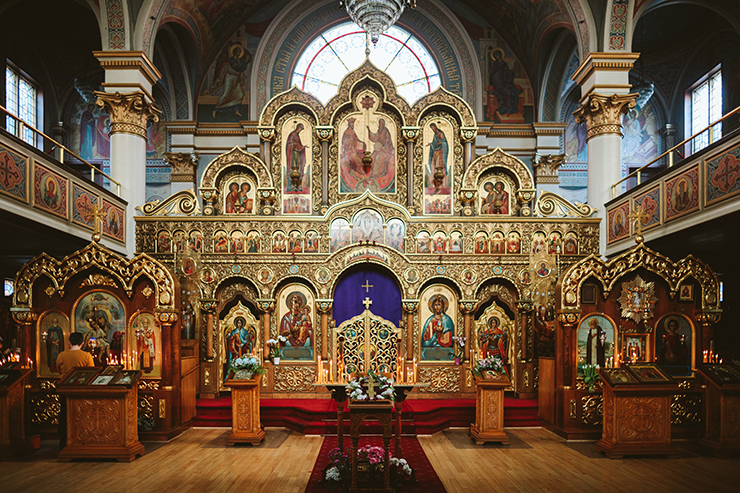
point(319, 416)
point(428, 481)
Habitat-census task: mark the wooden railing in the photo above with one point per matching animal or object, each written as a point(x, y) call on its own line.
point(638, 172)
point(21, 125)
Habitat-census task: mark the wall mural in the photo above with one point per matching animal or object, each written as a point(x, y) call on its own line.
point(225, 91)
point(297, 138)
point(296, 322)
point(438, 314)
point(339, 232)
point(438, 167)
point(373, 132)
point(641, 142)
point(508, 97)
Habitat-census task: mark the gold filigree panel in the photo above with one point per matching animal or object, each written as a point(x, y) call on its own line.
point(441, 379)
point(294, 378)
point(211, 176)
point(500, 159)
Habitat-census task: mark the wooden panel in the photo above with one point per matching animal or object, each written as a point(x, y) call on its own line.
point(188, 388)
point(546, 392)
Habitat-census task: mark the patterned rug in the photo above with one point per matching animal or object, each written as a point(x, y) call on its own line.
point(426, 477)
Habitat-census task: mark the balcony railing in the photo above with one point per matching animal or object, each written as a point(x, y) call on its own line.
point(669, 153)
point(62, 149)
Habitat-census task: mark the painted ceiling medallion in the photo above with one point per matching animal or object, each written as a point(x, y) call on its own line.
point(637, 299)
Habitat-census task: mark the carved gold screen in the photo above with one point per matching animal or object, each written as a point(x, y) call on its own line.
point(366, 342)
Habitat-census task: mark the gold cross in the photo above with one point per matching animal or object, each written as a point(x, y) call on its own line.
point(98, 215)
point(372, 384)
point(638, 216)
point(367, 286)
point(367, 302)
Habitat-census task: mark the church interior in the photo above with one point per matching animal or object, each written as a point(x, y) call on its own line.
point(370, 245)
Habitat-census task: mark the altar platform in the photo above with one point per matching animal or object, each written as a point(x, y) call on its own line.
point(319, 416)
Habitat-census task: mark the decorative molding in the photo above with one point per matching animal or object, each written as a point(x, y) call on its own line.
point(550, 204)
point(294, 378)
point(603, 113)
point(183, 166)
point(182, 203)
point(546, 168)
point(129, 112)
point(440, 379)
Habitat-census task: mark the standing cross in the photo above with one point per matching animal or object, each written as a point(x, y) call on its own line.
point(97, 215)
point(638, 216)
point(367, 286)
point(372, 384)
point(367, 302)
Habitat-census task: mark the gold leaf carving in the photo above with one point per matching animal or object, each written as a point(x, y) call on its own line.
point(443, 379)
point(294, 378)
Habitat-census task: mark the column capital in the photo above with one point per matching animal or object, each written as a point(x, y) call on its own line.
point(468, 134)
point(324, 305)
point(167, 318)
point(603, 113)
point(129, 112)
point(568, 317)
point(208, 305)
point(325, 132)
point(183, 165)
point(410, 306)
point(25, 316)
point(266, 132)
point(265, 305)
point(410, 134)
point(546, 168)
point(467, 306)
point(525, 306)
point(708, 316)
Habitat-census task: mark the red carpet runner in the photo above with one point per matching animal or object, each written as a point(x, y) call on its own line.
point(428, 481)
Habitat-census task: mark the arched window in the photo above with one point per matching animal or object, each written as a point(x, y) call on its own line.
point(335, 52)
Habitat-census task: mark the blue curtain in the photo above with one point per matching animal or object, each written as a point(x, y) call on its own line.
point(383, 291)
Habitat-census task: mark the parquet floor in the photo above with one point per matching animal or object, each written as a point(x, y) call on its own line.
point(535, 461)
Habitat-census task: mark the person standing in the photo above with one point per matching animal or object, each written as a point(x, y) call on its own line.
point(66, 361)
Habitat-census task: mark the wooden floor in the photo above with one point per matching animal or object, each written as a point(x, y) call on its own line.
point(535, 461)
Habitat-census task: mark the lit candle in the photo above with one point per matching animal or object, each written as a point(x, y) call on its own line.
point(318, 369)
point(415, 371)
point(331, 372)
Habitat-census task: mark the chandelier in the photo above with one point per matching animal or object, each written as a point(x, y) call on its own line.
point(375, 16)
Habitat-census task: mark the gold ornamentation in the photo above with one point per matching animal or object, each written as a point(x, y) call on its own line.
point(324, 306)
point(546, 168)
point(294, 378)
point(410, 306)
point(440, 379)
point(266, 133)
point(162, 408)
point(124, 271)
point(366, 342)
point(639, 216)
point(500, 159)
point(608, 273)
point(25, 317)
point(129, 113)
point(50, 291)
point(183, 166)
point(97, 280)
point(146, 406)
point(182, 203)
point(265, 305)
point(550, 204)
point(45, 409)
point(637, 299)
point(593, 410)
point(573, 409)
point(150, 385)
point(410, 133)
point(686, 409)
point(603, 114)
point(236, 156)
point(147, 291)
point(468, 134)
point(324, 132)
point(207, 377)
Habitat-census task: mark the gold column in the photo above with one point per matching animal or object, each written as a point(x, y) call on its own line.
point(410, 134)
point(467, 307)
point(324, 307)
point(524, 306)
point(410, 307)
point(209, 307)
point(325, 134)
point(267, 306)
point(27, 320)
point(467, 137)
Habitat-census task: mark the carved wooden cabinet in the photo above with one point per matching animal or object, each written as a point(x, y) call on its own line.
point(246, 426)
point(721, 409)
point(102, 422)
point(13, 442)
point(489, 410)
point(637, 414)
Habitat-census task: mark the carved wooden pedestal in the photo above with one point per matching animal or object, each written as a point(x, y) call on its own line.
point(637, 420)
point(382, 411)
point(245, 411)
point(489, 410)
point(721, 409)
point(102, 422)
point(13, 442)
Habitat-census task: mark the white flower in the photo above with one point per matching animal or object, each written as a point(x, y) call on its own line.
point(333, 474)
point(282, 338)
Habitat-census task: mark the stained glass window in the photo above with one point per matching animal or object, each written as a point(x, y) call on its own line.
point(21, 100)
point(337, 51)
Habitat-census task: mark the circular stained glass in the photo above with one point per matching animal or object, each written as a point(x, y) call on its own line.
point(337, 51)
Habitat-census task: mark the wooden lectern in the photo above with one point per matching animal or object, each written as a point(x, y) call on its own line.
point(637, 411)
point(489, 410)
point(246, 426)
point(13, 441)
point(102, 419)
point(721, 409)
point(381, 410)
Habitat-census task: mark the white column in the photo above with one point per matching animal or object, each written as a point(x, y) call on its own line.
point(129, 76)
point(605, 89)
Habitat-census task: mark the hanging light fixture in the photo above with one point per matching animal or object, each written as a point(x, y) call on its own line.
point(375, 16)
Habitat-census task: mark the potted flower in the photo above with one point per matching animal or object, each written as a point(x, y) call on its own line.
point(245, 367)
point(491, 367)
point(591, 376)
point(370, 462)
point(275, 348)
point(459, 348)
point(357, 388)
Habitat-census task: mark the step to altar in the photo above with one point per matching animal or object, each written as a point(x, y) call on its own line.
point(319, 416)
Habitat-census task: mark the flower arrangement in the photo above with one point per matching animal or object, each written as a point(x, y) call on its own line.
point(459, 346)
point(491, 364)
point(590, 376)
point(339, 471)
point(275, 346)
point(357, 387)
point(245, 367)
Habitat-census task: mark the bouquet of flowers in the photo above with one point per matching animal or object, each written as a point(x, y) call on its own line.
point(339, 471)
point(590, 376)
point(275, 346)
point(245, 367)
point(491, 364)
point(357, 387)
point(459, 346)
